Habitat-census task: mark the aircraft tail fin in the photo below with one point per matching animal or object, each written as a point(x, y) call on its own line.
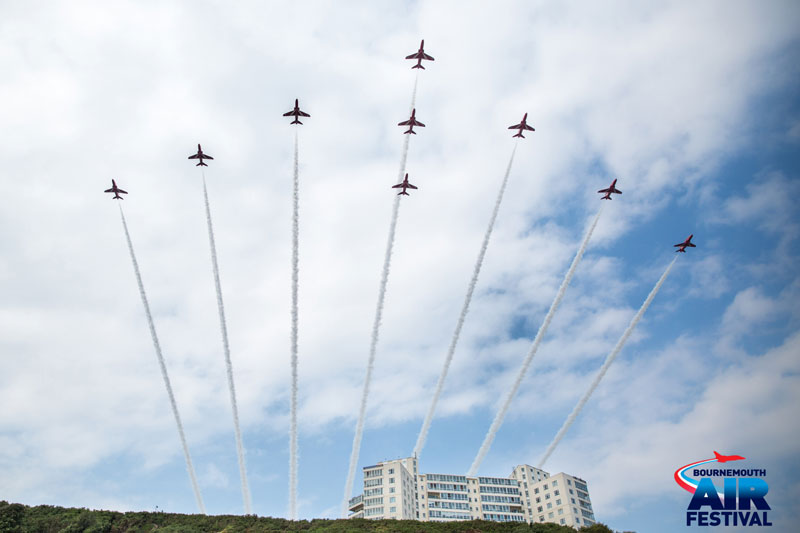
point(418, 65)
point(201, 164)
point(295, 121)
point(403, 192)
point(519, 135)
point(410, 131)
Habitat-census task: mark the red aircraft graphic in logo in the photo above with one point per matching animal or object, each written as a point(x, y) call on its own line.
point(726, 458)
point(689, 484)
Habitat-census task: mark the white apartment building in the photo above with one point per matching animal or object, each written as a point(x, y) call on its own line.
point(559, 498)
point(389, 491)
point(394, 489)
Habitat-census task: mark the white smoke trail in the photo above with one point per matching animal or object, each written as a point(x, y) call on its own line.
point(295, 275)
point(498, 420)
point(351, 472)
point(189, 466)
point(228, 366)
point(423, 434)
point(610, 359)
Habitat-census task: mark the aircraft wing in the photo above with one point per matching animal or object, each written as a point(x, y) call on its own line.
point(518, 126)
point(123, 192)
point(415, 55)
point(418, 123)
point(529, 128)
point(289, 113)
point(690, 245)
point(412, 186)
point(302, 114)
point(404, 123)
point(109, 190)
point(617, 191)
point(426, 56)
point(195, 156)
point(397, 186)
point(206, 156)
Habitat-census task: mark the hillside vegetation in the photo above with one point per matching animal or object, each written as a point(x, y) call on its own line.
point(18, 518)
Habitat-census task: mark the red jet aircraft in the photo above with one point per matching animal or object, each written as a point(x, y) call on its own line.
point(405, 185)
point(688, 242)
point(296, 113)
point(411, 123)
point(726, 458)
point(522, 126)
point(116, 190)
point(420, 55)
point(610, 189)
point(200, 155)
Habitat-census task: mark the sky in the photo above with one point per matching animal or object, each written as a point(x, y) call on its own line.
point(693, 107)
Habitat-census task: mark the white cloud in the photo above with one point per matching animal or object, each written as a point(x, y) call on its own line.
point(654, 415)
point(96, 92)
point(769, 204)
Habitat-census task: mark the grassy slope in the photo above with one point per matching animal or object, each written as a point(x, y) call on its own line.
point(18, 518)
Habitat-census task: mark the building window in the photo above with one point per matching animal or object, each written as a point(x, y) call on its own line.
point(549, 505)
point(392, 499)
point(541, 518)
point(539, 508)
point(569, 482)
point(562, 521)
point(538, 499)
point(555, 482)
point(391, 489)
point(546, 496)
point(561, 511)
point(394, 510)
point(558, 502)
point(391, 470)
point(556, 492)
point(549, 515)
point(545, 486)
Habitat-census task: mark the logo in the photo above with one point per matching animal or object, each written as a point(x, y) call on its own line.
point(741, 502)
